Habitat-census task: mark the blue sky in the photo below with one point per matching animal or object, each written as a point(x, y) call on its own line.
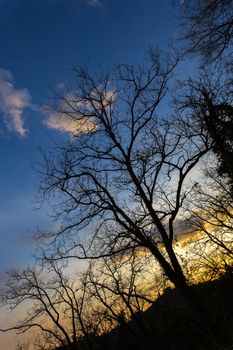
point(41, 40)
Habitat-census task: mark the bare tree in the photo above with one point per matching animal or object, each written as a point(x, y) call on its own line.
point(208, 27)
point(212, 219)
point(210, 209)
point(55, 306)
point(73, 312)
point(117, 286)
point(121, 289)
point(121, 181)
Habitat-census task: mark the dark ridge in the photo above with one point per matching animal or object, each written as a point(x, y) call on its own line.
point(169, 325)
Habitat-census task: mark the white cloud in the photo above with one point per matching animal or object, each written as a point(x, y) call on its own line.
point(12, 103)
point(71, 121)
point(63, 123)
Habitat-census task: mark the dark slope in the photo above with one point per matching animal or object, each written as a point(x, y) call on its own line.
point(169, 325)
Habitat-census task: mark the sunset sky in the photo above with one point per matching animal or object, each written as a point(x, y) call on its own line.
point(41, 41)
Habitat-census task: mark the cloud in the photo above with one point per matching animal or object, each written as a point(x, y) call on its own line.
point(73, 116)
point(63, 123)
point(12, 103)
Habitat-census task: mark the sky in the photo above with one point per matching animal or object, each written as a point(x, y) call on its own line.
point(40, 42)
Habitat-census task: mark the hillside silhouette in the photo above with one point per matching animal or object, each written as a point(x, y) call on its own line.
point(169, 325)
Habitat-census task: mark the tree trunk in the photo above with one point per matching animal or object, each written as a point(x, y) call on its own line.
point(195, 308)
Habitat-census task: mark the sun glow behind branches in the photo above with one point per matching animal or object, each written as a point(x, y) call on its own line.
point(201, 259)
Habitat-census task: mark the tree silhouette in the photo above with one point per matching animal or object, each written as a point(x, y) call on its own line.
point(54, 306)
point(121, 181)
point(212, 220)
point(208, 32)
point(211, 97)
point(73, 312)
point(116, 286)
point(208, 27)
